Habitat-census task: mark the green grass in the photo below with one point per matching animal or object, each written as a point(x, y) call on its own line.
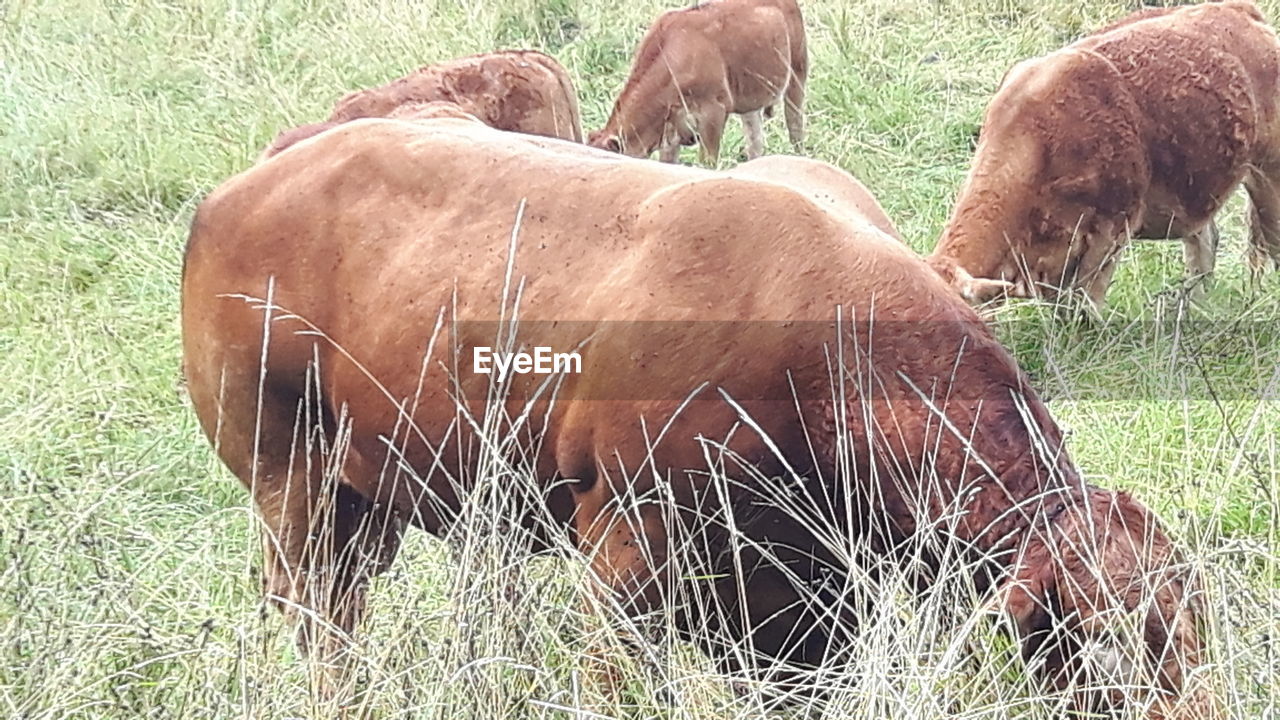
point(128, 581)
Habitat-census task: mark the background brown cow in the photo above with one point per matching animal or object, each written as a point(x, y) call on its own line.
point(697, 65)
point(518, 90)
point(1140, 130)
point(409, 111)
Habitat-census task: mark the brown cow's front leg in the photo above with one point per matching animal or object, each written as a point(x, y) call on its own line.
point(1097, 266)
point(1096, 292)
point(753, 128)
point(1200, 253)
point(711, 121)
point(628, 553)
point(1104, 608)
point(626, 543)
point(669, 152)
point(676, 133)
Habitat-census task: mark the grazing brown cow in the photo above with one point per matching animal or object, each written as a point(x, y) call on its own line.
point(1140, 130)
point(706, 426)
point(696, 65)
point(518, 90)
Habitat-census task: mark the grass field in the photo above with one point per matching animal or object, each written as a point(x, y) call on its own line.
point(128, 555)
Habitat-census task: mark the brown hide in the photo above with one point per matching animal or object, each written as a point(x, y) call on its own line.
point(409, 111)
point(829, 186)
point(697, 65)
point(688, 290)
point(1142, 129)
point(517, 90)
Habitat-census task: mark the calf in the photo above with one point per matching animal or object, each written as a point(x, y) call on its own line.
point(697, 65)
point(517, 90)
point(1141, 130)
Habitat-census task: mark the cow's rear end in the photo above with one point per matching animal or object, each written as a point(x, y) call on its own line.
point(251, 383)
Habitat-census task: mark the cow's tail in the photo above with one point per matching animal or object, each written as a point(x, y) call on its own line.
point(570, 93)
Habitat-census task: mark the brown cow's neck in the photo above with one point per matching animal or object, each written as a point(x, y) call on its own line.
point(960, 476)
point(989, 221)
point(980, 236)
point(640, 114)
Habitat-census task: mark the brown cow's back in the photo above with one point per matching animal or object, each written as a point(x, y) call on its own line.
point(829, 186)
point(1207, 98)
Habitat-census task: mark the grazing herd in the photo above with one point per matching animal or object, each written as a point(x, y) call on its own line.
point(766, 322)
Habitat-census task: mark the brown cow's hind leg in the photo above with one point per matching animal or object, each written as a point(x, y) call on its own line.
point(793, 107)
point(322, 543)
point(1264, 219)
point(322, 540)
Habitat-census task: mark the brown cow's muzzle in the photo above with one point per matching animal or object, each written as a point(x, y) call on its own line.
point(974, 290)
point(629, 553)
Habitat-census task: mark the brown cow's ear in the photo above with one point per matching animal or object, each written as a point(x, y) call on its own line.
point(610, 142)
point(1023, 599)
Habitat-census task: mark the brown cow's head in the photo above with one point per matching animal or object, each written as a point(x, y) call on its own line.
point(629, 144)
point(637, 125)
point(1103, 599)
point(1057, 181)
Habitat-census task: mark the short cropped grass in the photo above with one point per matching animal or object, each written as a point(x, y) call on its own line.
point(128, 554)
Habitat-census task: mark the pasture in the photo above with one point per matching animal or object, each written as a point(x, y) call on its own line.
point(129, 556)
